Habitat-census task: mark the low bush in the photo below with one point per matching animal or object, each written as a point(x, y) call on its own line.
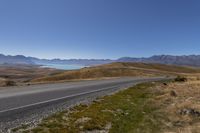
point(10, 83)
point(180, 79)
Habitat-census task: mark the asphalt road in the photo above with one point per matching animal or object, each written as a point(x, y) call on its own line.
point(16, 101)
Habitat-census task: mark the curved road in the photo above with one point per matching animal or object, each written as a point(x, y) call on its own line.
point(17, 101)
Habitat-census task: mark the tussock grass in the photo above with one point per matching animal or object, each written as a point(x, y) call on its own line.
point(119, 70)
point(126, 111)
point(11, 75)
point(146, 108)
point(161, 67)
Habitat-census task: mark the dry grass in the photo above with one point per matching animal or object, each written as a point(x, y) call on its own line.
point(119, 70)
point(20, 74)
point(126, 111)
point(159, 67)
point(27, 74)
point(155, 107)
point(186, 98)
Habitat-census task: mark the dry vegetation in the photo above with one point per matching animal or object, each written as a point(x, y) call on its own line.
point(20, 74)
point(164, 107)
point(119, 70)
point(11, 75)
point(122, 112)
point(169, 107)
point(180, 101)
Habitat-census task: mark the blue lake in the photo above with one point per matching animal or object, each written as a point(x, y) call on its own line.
point(63, 66)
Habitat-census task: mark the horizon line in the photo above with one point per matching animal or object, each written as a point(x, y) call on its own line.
point(57, 58)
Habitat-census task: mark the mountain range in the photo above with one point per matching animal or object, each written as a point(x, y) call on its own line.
point(185, 60)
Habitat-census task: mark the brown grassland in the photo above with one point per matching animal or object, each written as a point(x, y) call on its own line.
point(157, 107)
point(26, 74)
point(21, 74)
point(118, 70)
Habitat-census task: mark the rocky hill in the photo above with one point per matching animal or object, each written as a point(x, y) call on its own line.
point(189, 60)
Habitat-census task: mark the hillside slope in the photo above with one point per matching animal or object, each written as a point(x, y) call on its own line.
point(19, 74)
point(185, 60)
point(119, 70)
point(18, 59)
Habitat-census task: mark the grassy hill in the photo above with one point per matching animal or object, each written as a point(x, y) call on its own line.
point(119, 70)
point(19, 74)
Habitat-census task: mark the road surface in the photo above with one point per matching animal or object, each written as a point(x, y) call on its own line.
point(18, 104)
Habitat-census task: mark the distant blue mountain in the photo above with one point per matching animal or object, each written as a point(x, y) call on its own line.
point(185, 60)
point(18, 59)
point(83, 62)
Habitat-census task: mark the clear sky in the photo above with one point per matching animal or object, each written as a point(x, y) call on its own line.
point(99, 28)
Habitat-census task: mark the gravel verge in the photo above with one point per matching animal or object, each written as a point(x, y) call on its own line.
point(34, 116)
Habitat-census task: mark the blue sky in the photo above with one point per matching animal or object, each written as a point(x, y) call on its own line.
point(99, 28)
